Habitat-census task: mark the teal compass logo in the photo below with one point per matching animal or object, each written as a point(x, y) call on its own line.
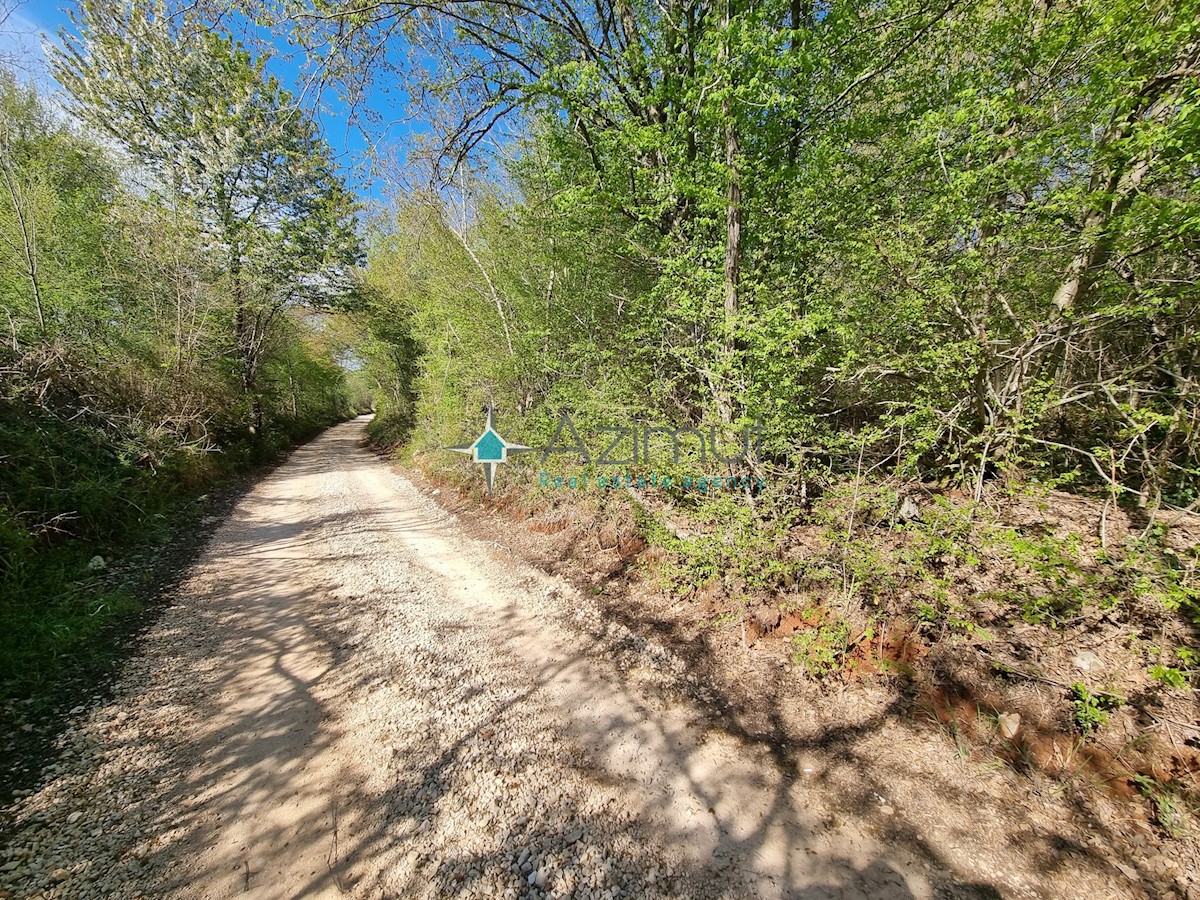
point(490, 450)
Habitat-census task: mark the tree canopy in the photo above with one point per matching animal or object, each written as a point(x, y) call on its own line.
point(222, 135)
point(962, 236)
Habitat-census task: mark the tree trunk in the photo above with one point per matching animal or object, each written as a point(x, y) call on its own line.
point(29, 248)
point(1157, 100)
point(733, 218)
point(733, 230)
point(733, 193)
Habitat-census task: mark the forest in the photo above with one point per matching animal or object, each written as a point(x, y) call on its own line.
point(956, 240)
point(944, 252)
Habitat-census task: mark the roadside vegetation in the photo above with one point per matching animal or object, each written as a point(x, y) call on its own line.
point(945, 257)
point(165, 277)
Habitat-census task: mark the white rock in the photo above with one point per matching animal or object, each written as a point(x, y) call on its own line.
point(1009, 725)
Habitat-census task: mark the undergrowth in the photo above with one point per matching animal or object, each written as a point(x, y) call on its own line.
point(1090, 709)
point(83, 496)
point(953, 569)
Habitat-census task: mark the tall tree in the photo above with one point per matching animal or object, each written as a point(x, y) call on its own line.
point(220, 133)
point(962, 234)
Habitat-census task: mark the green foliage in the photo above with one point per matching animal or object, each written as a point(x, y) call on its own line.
point(910, 258)
point(1162, 575)
point(962, 265)
point(1055, 562)
point(55, 616)
point(224, 138)
point(1090, 710)
point(1179, 676)
point(81, 490)
point(122, 377)
point(1169, 676)
point(821, 651)
point(515, 306)
point(733, 543)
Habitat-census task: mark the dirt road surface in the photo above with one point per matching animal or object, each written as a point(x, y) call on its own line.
point(351, 698)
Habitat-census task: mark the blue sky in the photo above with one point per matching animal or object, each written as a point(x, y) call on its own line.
point(33, 22)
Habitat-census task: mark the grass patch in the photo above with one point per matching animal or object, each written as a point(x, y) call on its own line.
point(55, 622)
point(1169, 810)
point(72, 490)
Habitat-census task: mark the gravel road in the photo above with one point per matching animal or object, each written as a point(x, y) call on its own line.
point(350, 697)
